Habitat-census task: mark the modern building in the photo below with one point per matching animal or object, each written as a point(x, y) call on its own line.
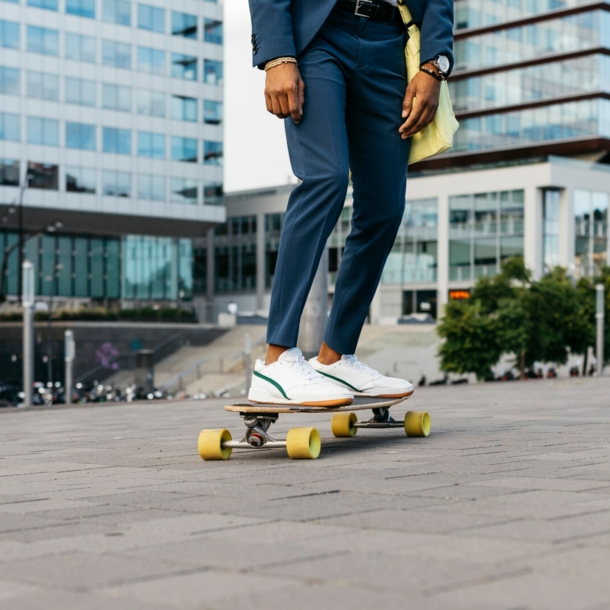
point(111, 144)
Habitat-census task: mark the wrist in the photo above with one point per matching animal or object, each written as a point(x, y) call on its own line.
point(279, 61)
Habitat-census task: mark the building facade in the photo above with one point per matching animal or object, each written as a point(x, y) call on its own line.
point(111, 144)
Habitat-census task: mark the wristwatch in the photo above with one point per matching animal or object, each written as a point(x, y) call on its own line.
point(442, 64)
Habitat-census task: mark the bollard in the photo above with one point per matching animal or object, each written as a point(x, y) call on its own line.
point(27, 300)
point(599, 318)
point(69, 360)
point(145, 372)
point(248, 360)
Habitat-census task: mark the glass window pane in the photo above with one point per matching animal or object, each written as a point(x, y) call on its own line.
point(116, 184)
point(184, 24)
point(184, 66)
point(50, 5)
point(151, 103)
point(81, 266)
point(184, 108)
point(80, 91)
point(9, 34)
point(151, 61)
point(184, 149)
point(43, 176)
point(9, 80)
point(213, 72)
point(212, 31)
point(83, 8)
point(117, 54)
point(81, 180)
point(213, 112)
point(80, 135)
point(42, 86)
point(184, 191)
point(117, 11)
point(42, 40)
point(151, 18)
point(151, 145)
point(80, 48)
point(9, 126)
point(116, 97)
point(9, 172)
point(212, 153)
point(117, 141)
point(43, 131)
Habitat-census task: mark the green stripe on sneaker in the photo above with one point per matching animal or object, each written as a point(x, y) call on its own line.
point(340, 381)
point(275, 383)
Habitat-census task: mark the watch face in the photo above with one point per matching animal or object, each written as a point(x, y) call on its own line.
point(443, 63)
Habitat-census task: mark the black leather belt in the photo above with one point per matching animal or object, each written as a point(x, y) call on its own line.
point(378, 10)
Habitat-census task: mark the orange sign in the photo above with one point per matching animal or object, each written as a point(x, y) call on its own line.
point(456, 295)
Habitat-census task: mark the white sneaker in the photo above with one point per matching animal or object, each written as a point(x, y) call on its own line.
point(361, 379)
point(292, 381)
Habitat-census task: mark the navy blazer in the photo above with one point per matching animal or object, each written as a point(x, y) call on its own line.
point(283, 28)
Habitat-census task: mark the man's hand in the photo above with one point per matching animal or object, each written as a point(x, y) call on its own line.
point(424, 90)
point(285, 92)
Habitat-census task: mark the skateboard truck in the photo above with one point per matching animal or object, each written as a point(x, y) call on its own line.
point(381, 419)
point(257, 435)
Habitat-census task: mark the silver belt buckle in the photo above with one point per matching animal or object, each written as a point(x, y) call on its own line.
point(360, 3)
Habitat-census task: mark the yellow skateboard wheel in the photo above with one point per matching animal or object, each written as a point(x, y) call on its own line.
point(417, 423)
point(342, 424)
point(303, 443)
point(210, 444)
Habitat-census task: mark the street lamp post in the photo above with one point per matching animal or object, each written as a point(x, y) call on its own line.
point(27, 300)
point(69, 360)
point(599, 315)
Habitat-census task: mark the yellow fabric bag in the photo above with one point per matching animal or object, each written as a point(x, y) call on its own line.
point(438, 136)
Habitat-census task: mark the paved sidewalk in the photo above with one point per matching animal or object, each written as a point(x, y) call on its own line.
point(505, 506)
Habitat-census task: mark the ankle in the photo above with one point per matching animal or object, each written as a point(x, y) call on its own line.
point(328, 355)
point(273, 353)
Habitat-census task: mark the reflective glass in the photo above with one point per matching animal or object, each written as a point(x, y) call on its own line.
point(116, 184)
point(213, 72)
point(81, 180)
point(151, 103)
point(117, 11)
point(83, 8)
point(80, 135)
point(184, 149)
point(9, 172)
point(116, 140)
point(151, 61)
point(184, 24)
point(9, 34)
point(116, 54)
point(591, 232)
point(42, 40)
point(116, 97)
point(151, 145)
point(43, 131)
point(81, 48)
point(151, 18)
point(184, 108)
point(212, 153)
point(113, 268)
point(213, 193)
point(184, 191)
point(213, 112)
point(9, 80)
point(42, 176)
point(184, 66)
point(42, 86)
point(50, 5)
point(9, 126)
point(81, 91)
point(212, 31)
point(81, 266)
point(64, 271)
point(151, 187)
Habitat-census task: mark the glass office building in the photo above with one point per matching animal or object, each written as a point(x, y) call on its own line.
point(111, 143)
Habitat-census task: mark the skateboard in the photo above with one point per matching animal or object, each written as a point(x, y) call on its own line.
point(305, 443)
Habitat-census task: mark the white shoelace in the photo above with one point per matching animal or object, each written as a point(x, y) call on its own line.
point(360, 366)
point(302, 367)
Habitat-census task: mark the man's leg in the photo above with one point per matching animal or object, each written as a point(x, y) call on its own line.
point(319, 156)
point(378, 159)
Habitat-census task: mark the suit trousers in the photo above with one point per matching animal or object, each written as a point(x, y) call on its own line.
point(355, 81)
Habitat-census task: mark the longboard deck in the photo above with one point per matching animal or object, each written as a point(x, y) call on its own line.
point(360, 403)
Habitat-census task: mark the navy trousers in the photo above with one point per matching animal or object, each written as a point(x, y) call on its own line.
point(355, 81)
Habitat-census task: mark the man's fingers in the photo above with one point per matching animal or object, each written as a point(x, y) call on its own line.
point(294, 105)
point(284, 104)
point(424, 120)
point(268, 102)
point(407, 104)
point(418, 109)
point(277, 107)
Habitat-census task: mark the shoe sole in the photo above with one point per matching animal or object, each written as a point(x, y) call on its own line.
point(337, 402)
point(402, 395)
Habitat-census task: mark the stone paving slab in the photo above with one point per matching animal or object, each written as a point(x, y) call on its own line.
point(505, 506)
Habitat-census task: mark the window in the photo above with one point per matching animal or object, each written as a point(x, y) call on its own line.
point(9, 126)
point(151, 103)
point(80, 135)
point(43, 131)
point(116, 97)
point(83, 8)
point(43, 176)
point(81, 48)
point(80, 91)
point(184, 66)
point(212, 153)
point(212, 72)
point(42, 40)
point(42, 86)
point(184, 24)
point(151, 187)
point(117, 54)
point(116, 140)
point(9, 34)
point(151, 145)
point(184, 191)
point(117, 11)
point(151, 18)
point(151, 61)
point(9, 80)
point(213, 193)
point(212, 112)
point(9, 172)
point(591, 232)
point(81, 180)
point(50, 5)
point(184, 149)
point(212, 31)
point(116, 184)
point(184, 108)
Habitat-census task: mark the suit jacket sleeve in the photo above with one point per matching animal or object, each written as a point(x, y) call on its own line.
point(271, 30)
point(437, 30)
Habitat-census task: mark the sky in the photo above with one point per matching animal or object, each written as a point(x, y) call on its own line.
point(255, 146)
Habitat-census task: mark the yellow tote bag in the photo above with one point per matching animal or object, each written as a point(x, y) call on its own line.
point(438, 136)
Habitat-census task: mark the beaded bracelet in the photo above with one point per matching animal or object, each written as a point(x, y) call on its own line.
point(280, 60)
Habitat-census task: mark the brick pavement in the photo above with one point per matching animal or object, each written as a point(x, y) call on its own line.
point(505, 506)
